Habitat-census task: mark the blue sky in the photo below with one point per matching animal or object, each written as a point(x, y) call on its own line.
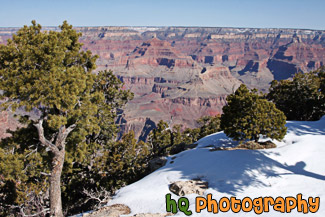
point(307, 14)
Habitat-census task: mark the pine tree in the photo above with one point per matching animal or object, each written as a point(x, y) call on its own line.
point(208, 125)
point(160, 139)
point(301, 98)
point(247, 116)
point(47, 71)
point(125, 161)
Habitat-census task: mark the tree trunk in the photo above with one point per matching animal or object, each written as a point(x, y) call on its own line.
point(55, 185)
point(58, 150)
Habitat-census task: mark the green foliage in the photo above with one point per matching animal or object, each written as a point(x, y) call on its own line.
point(125, 160)
point(109, 167)
point(176, 135)
point(166, 140)
point(106, 166)
point(301, 98)
point(191, 135)
point(208, 125)
point(247, 116)
point(47, 72)
point(23, 169)
point(160, 139)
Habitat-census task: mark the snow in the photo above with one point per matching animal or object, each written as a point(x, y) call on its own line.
point(295, 166)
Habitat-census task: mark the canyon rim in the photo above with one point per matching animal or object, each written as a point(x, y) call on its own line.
point(178, 74)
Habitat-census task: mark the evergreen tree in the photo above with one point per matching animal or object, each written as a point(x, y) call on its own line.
point(166, 140)
point(191, 135)
point(125, 161)
point(208, 125)
point(47, 71)
point(160, 139)
point(114, 165)
point(247, 116)
point(24, 169)
point(176, 135)
point(301, 98)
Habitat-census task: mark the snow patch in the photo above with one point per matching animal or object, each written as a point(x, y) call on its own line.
point(295, 166)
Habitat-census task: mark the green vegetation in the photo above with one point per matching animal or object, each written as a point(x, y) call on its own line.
point(247, 116)
point(208, 125)
point(166, 141)
point(49, 72)
point(302, 98)
point(66, 160)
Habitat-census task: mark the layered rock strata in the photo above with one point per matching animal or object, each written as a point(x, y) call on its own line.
point(179, 74)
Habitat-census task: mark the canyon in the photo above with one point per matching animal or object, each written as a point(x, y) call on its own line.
point(178, 74)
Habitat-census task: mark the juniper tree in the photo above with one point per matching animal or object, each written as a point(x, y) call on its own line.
point(301, 98)
point(208, 125)
point(23, 180)
point(247, 116)
point(47, 71)
point(160, 138)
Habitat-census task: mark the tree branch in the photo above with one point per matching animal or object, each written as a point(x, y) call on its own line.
point(42, 138)
point(102, 196)
point(63, 134)
point(45, 211)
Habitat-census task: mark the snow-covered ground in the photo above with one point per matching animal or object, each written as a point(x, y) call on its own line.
point(296, 166)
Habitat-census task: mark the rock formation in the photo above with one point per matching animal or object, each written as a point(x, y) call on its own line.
point(182, 188)
point(179, 74)
point(110, 211)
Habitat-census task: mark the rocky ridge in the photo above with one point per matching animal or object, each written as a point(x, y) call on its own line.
point(179, 74)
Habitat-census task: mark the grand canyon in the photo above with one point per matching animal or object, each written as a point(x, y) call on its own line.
point(178, 74)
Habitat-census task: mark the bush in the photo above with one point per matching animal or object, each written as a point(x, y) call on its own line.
point(166, 140)
point(247, 116)
point(301, 98)
point(208, 125)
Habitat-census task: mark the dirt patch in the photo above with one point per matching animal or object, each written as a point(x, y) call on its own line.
point(250, 145)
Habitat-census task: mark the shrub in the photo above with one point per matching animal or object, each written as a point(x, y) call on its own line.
point(301, 98)
point(247, 116)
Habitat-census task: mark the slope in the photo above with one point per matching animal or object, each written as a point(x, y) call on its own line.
point(295, 166)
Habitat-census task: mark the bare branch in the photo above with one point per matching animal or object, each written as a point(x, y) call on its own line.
point(102, 196)
point(70, 128)
point(47, 210)
point(42, 138)
point(32, 152)
point(53, 137)
point(63, 133)
point(45, 174)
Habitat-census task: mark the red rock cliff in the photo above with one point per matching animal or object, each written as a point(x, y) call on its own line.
point(185, 73)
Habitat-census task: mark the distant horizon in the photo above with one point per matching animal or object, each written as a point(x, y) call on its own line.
point(258, 14)
point(232, 27)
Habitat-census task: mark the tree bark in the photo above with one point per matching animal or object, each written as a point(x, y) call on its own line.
point(55, 184)
point(58, 150)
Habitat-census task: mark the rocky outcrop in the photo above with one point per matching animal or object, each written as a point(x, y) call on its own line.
point(186, 72)
point(153, 214)
point(157, 162)
point(110, 211)
point(182, 188)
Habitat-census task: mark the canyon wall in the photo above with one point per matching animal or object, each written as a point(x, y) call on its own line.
point(179, 74)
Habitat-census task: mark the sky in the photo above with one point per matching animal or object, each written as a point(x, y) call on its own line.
point(303, 14)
